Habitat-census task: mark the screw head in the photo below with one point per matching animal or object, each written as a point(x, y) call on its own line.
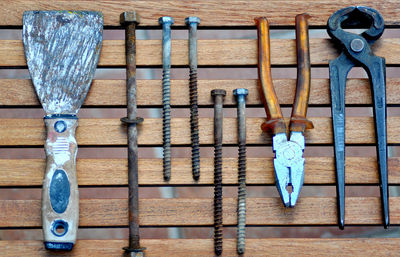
point(129, 17)
point(192, 19)
point(165, 20)
point(215, 92)
point(240, 91)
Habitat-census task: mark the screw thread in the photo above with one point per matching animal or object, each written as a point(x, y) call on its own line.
point(218, 199)
point(194, 124)
point(241, 230)
point(166, 124)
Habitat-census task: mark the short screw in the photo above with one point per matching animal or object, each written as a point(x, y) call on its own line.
point(194, 115)
point(241, 94)
point(166, 23)
point(218, 95)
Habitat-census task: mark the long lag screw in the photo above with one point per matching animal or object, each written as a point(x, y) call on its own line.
point(166, 23)
point(129, 20)
point(218, 96)
point(241, 94)
point(194, 116)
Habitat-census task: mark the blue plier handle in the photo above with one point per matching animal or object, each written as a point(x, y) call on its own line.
point(357, 52)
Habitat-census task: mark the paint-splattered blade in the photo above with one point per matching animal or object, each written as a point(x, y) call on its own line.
point(62, 50)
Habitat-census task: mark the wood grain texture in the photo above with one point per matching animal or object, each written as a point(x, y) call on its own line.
point(112, 172)
point(204, 247)
point(199, 212)
point(211, 12)
point(222, 52)
point(20, 92)
point(101, 132)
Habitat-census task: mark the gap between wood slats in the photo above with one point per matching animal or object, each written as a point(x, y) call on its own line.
point(112, 172)
point(211, 12)
point(224, 52)
point(199, 212)
point(205, 247)
point(107, 132)
point(113, 92)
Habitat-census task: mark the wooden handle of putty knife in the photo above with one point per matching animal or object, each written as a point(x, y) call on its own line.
point(60, 196)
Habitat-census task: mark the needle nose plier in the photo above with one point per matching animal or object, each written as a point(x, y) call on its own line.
point(289, 161)
point(357, 52)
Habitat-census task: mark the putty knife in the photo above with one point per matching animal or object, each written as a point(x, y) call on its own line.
point(62, 50)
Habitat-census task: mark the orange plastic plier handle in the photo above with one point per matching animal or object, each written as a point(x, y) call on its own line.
point(275, 121)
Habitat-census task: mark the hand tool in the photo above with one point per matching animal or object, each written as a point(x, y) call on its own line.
point(289, 161)
point(356, 51)
point(194, 115)
point(166, 23)
point(62, 49)
point(129, 20)
point(241, 94)
point(218, 96)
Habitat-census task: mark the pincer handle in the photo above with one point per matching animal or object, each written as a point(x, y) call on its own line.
point(298, 121)
point(275, 122)
point(60, 196)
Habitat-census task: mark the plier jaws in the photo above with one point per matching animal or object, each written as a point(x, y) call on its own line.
point(356, 51)
point(289, 161)
point(289, 166)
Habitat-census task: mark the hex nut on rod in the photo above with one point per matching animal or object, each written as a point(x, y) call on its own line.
point(240, 94)
point(218, 96)
point(192, 22)
point(129, 20)
point(166, 23)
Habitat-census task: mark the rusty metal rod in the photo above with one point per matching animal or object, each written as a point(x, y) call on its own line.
point(218, 95)
point(129, 20)
point(192, 22)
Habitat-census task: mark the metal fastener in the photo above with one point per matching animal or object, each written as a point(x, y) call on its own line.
point(166, 23)
point(129, 20)
point(241, 94)
point(218, 95)
point(194, 116)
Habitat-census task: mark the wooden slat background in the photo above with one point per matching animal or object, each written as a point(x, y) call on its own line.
point(102, 132)
point(204, 247)
point(211, 12)
point(26, 173)
point(222, 52)
point(199, 212)
point(20, 92)
point(112, 172)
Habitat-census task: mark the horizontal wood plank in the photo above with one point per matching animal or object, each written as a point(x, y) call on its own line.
point(113, 172)
point(211, 12)
point(204, 247)
point(31, 132)
point(222, 52)
point(199, 212)
point(20, 92)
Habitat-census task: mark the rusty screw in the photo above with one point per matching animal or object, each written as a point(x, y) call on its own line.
point(194, 116)
point(241, 94)
point(166, 23)
point(218, 95)
point(129, 20)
